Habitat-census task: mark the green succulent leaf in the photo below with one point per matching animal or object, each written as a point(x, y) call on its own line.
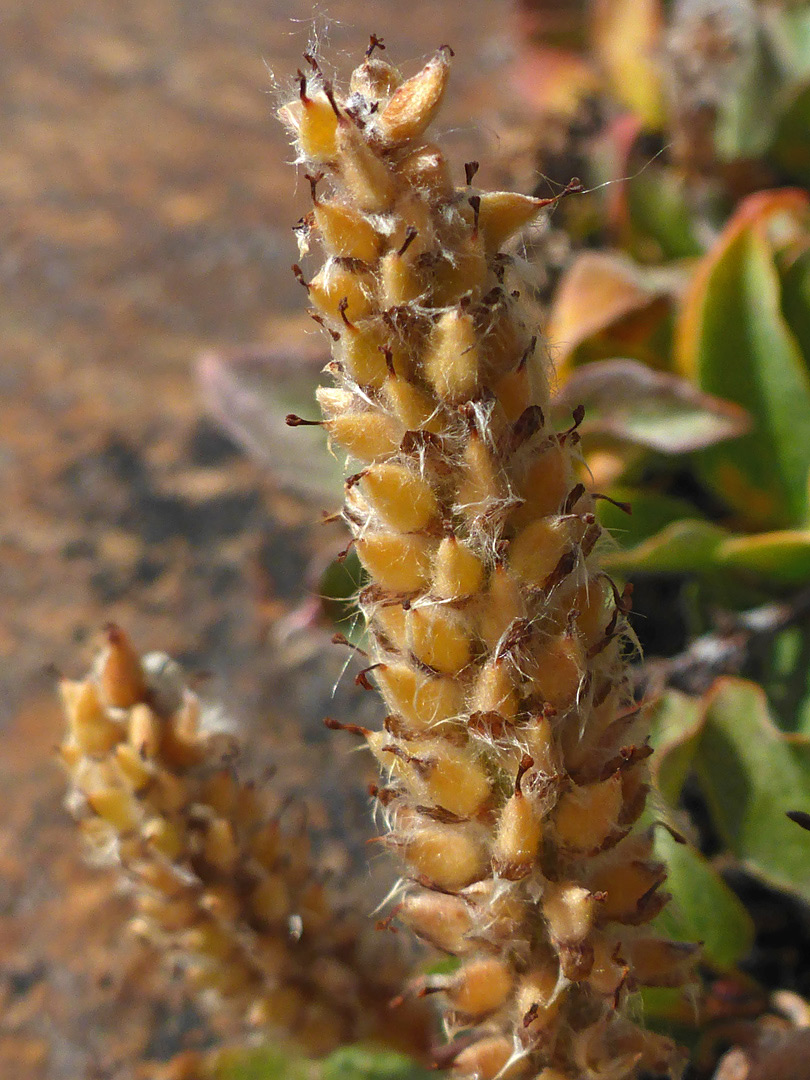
point(748, 113)
point(651, 512)
point(340, 582)
point(658, 208)
point(357, 1063)
point(796, 299)
point(786, 679)
point(691, 545)
point(259, 1063)
point(676, 721)
point(788, 35)
point(686, 546)
point(782, 557)
point(752, 774)
point(791, 145)
point(348, 1063)
point(703, 907)
point(734, 339)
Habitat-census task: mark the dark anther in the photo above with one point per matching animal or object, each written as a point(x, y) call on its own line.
point(494, 296)
point(470, 169)
point(291, 420)
point(303, 225)
point(527, 353)
point(299, 276)
point(518, 635)
point(527, 424)
point(571, 433)
point(624, 506)
point(447, 47)
point(800, 818)
point(355, 478)
point(588, 542)
point(389, 359)
point(573, 187)
point(342, 306)
point(413, 441)
point(330, 95)
point(566, 564)
point(313, 183)
point(353, 729)
point(526, 763)
point(361, 678)
point(313, 63)
point(335, 336)
point(475, 203)
point(531, 1014)
point(353, 113)
point(624, 599)
point(382, 795)
point(410, 235)
point(572, 498)
point(302, 86)
point(679, 838)
point(446, 817)
point(342, 555)
point(341, 639)
point(374, 43)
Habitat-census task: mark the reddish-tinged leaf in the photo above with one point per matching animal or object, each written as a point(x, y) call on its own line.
point(755, 211)
point(734, 341)
point(598, 291)
point(628, 401)
point(553, 81)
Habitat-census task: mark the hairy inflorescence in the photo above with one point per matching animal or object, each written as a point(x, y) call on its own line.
point(221, 880)
point(513, 749)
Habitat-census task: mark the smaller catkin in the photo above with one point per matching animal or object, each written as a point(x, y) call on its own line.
point(219, 882)
point(513, 750)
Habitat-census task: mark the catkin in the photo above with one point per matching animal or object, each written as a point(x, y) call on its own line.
point(224, 886)
point(513, 750)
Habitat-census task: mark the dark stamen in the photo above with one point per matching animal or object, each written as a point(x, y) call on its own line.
point(330, 95)
point(335, 336)
point(374, 43)
point(313, 183)
point(291, 420)
point(353, 729)
point(342, 306)
point(302, 87)
point(475, 203)
point(526, 763)
point(410, 235)
point(625, 506)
